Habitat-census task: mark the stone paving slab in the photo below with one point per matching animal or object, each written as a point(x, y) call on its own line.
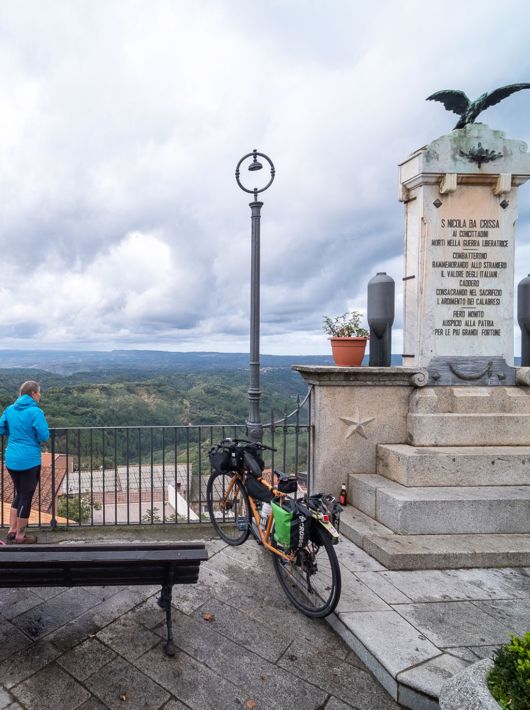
point(390, 638)
point(5, 699)
point(86, 659)
point(271, 685)
point(481, 652)
point(455, 623)
point(25, 663)
point(15, 601)
point(351, 685)
point(49, 689)
point(428, 677)
point(513, 614)
point(460, 584)
point(128, 638)
point(123, 685)
point(50, 615)
point(192, 682)
point(243, 630)
point(383, 587)
point(356, 596)
point(11, 639)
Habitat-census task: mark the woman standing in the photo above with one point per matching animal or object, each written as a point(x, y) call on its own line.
point(26, 426)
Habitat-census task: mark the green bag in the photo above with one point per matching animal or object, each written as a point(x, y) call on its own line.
point(291, 524)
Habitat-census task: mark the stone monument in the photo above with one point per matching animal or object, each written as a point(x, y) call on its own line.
point(460, 195)
point(436, 452)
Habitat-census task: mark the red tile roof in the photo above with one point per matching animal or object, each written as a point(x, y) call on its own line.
point(42, 500)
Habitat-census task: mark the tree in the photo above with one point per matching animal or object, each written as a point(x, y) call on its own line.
point(151, 516)
point(74, 508)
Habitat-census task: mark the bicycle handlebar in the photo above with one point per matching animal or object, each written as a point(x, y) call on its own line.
point(229, 442)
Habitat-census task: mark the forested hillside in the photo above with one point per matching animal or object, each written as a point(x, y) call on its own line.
point(143, 397)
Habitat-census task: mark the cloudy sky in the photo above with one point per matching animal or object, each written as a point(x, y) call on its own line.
point(121, 124)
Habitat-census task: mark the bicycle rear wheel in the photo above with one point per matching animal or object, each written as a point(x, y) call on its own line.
point(228, 508)
point(312, 582)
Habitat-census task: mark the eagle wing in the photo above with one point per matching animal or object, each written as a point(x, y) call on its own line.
point(455, 101)
point(499, 94)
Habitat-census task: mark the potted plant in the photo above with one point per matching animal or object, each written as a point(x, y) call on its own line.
point(348, 338)
point(503, 683)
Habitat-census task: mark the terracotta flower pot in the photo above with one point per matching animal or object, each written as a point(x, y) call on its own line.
point(348, 352)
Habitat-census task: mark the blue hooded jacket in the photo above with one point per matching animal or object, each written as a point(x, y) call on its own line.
point(25, 424)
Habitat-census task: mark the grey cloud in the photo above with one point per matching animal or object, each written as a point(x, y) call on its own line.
point(120, 122)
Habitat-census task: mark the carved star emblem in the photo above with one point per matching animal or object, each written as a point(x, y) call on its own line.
point(356, 424)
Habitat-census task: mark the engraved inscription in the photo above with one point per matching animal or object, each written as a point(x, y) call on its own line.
point(469, 259)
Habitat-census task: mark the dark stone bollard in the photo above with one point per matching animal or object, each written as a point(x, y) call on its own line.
point(523, 318)
point(381, 290)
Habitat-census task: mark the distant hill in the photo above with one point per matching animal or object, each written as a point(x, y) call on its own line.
point(66, 362)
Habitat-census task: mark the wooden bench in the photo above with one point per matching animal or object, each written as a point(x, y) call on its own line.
point(105, 565)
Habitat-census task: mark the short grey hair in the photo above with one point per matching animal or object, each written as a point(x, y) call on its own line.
point(30, 387)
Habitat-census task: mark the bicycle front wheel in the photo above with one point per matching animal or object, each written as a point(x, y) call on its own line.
point(312, 582)
point(228, 507)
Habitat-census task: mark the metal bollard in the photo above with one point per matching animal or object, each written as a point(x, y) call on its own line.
point(381, 290)
point(523, 318)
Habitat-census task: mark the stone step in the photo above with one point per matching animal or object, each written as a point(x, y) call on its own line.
point(408, 552)
point(454, 465)
point(468, 429)
point(441, 510)
point(471, 400)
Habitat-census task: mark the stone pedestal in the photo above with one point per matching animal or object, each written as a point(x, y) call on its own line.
point(437, 477)
point(353, 409)
point(460, 195)
point(435, 454)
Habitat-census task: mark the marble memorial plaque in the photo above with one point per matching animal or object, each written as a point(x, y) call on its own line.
point(460, 217)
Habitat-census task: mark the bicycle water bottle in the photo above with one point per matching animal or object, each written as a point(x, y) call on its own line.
point(265, 512)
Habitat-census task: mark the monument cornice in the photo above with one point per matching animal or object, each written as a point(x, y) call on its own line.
point(331, 376)
point(462, 179)
point(473, 151)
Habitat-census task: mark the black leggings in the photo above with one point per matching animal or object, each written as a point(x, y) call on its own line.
point(25, 483)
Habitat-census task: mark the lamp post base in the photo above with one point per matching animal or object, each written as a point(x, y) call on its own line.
point(255, 431)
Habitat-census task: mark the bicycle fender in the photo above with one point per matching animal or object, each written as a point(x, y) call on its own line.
point(331, 532)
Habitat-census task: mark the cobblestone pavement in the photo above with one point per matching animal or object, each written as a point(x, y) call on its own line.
point(240, 644)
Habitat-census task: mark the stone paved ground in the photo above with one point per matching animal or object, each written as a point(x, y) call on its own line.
point(93, 648)
point(416, 629)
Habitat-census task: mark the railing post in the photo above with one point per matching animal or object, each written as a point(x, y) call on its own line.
point(53, 521)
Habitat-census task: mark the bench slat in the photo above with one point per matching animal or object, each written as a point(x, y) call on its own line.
point(13, 556)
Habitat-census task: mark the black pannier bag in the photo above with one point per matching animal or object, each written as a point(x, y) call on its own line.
point(286, 484)
point(220, 459)
point(255, 452)
point(257, 490)
point(253, 464)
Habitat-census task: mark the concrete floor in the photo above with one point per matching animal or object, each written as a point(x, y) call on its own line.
point(240, 644)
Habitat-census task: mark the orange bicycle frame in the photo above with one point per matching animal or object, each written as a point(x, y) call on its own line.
point(264, 535)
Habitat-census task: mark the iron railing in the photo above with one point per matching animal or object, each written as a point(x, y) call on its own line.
point(145, 475)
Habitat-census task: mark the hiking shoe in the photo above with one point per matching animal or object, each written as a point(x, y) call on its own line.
point(26, 540)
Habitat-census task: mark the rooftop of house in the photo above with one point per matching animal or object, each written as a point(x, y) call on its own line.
point(42, 500)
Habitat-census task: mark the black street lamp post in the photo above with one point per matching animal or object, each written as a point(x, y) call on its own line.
point(254, 426)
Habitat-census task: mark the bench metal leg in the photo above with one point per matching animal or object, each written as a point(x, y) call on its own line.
point(164, 601)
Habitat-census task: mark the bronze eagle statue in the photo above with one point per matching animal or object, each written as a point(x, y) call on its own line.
point(458, 102)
